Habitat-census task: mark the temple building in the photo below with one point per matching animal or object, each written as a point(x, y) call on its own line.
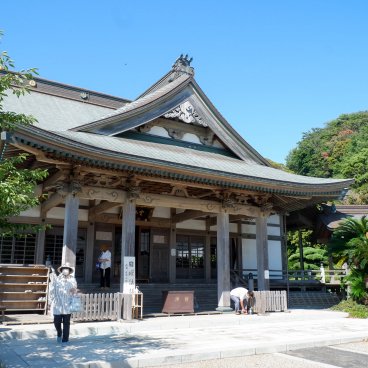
point(164, 178)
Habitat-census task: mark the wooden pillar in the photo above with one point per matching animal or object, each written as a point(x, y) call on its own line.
point(207, 252)
point(40, 247)
point(263, 278)
point(284, 247)
point(172, 264)
point(127, 235)
point(240, 248)
point(70, 229)
point(223, 262)
point(89, 261)
point(301, 250)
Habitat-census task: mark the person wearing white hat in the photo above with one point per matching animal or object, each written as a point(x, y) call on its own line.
point(62, 288)
point(105, 267)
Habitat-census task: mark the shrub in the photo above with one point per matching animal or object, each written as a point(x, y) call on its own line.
point(354, 309)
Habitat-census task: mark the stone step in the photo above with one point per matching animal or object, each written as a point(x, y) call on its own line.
point(318, 300)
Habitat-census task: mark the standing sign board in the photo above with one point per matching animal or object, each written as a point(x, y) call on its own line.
point(129, 275)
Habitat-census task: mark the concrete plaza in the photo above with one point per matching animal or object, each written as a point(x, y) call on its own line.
point(172, 340)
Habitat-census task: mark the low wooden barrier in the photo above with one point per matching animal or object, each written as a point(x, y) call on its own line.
point(98, 307)
point(270, 301)
point(109, 306)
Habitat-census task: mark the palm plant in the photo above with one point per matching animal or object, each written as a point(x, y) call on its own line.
point(349, 243)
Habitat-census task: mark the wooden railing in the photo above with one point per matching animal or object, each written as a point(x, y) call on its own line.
point(324, 276)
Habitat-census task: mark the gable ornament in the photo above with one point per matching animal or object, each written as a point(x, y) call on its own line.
point(186, 113)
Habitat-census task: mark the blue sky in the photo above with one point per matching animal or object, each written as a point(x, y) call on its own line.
point(273, 68)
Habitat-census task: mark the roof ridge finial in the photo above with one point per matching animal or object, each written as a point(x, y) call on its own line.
point(182, 65)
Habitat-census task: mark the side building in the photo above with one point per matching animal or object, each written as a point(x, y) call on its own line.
point(163, 178)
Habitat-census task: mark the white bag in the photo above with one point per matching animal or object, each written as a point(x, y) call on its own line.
point(75, 304)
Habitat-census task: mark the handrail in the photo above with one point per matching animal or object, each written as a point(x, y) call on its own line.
point(322, 275)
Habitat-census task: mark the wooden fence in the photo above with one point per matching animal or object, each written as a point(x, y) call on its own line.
point(99, 307)
point(270, 301)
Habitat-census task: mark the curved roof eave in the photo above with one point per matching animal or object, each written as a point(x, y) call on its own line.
point(66, 146)
point(139, 106)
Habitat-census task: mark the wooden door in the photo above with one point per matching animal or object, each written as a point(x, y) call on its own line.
point(160, 256)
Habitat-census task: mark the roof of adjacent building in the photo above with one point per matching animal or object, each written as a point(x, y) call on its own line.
point(333, 215)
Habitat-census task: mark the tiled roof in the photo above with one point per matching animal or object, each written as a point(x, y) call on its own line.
point(190, 158)
point(53, 112)
point(140, 102)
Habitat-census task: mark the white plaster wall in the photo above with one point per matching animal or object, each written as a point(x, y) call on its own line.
point(32, 212)
point(161, 212)
point(83, 215)
point(233, 228)
point(192, 225)
point(272, 230)
point(274, 219)
point(190, 137)
point(56, 213)
point(275, 258)
point(160, 131)
point(248, 229)
point(249, 250)
point(249, 253)
point(274, 255)
point(59, 213)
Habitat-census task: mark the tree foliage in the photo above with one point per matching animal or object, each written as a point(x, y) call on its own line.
point(339, 150)
point(17, 184)
point(349, 244)
point(313, 254)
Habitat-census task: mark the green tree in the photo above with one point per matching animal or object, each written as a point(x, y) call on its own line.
point(338, 150)
point(349, 244)
point(17, 184)
point(313, 254)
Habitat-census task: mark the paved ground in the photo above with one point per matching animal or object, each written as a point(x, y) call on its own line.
point(173, 340)
point(358, 351)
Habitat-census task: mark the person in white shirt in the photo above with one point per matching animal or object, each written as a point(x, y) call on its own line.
point(62, 288)
point(105, 267)
point(241, 298)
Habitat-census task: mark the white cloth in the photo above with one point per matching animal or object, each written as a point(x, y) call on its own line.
point(240, 293)
point(105, 255)
point(59, 293)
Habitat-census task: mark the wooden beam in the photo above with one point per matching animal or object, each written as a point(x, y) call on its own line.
point(104, 194)
point(235, 218)
point(53, 179)
point(102, 207)
point(51, 202)
point(157, 200)
point(187, 215)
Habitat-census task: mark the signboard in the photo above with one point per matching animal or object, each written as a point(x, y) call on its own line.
point(129, 275)
point(103, 235)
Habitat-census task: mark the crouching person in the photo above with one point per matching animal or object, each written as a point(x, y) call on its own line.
point(242, 298)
